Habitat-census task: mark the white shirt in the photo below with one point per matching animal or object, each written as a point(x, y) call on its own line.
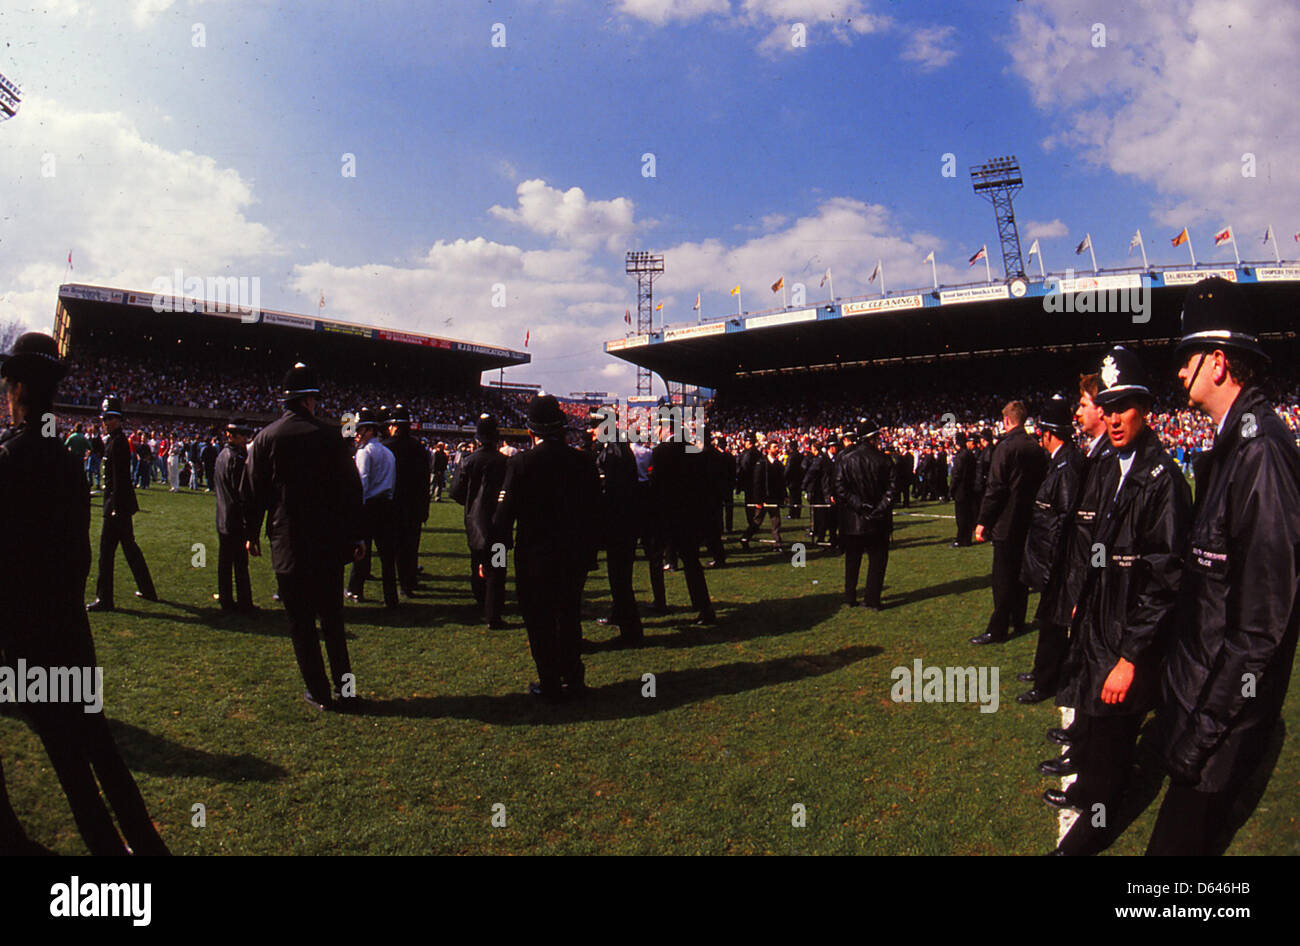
point(378, 470)
point(1124, 464)
point(642, 453)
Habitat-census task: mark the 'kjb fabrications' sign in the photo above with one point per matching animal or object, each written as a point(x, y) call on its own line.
point(883, 304)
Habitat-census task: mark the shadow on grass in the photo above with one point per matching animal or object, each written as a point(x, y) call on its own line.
point(747, 620)
point(144, 751)
point(955, 587)
point(623, 700)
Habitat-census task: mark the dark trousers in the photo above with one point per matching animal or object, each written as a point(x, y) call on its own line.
point(232, 568)
point(713, 534)
point(1010, 597)
point(833, 526)
point(550, 600)
point(687, 544)
point(91, 771)
point(729, 511)
point(820, 515)
point(653, 543)
point(490, 589)
point(117, 530)
point(750, 510)
point(966, 511)
point(877, 552)
point(619, 559)
point(772, 513)
point(307, 596)
point(1053, 642)
point(408, 551)
point(381, 536)
point(1103, 752)
point(796, 505)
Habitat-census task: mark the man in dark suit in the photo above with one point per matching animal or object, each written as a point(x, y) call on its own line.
point(794, 462)
point(551, 493)
point(1015, 473)
point(476, 487)
point(749, 458)
point(965, 498)
point(410, 495)
point(617, 522)
point(44, 563)
point(720, 481)
point(302, 481)
point(767, 492)
point(865, 487)
point(232, 556)
point(983, 462)
point(681, 491)
point(817, 484)
point(119, 506)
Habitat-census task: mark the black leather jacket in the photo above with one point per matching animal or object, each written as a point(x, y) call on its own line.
point(866, 484)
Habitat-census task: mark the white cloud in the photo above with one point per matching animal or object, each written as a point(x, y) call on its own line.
point(663, 11)
point(842, 20)
point(1043, 229)
point(931, 47)
point(1175, 98)
point(128, 209)
point(570, 216)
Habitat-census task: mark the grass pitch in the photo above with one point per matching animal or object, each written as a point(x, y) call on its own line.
point(786, 702)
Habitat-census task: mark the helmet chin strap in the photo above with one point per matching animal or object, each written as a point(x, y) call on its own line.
point(1197, 372)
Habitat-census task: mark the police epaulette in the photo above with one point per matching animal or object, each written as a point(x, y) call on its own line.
point(1157, 471)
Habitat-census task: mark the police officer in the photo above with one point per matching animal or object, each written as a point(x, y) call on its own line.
point(119, 506)
point(966, 499)
point(818, 485)
point(1015, 473)
point(720, 479)
point(984, 462)
point(44, 563)
point(616, 467)
point(410, 494)
point(748, 460)
point(767, 493)
point(1046, 546)
point(794, 463)
point(1140, 508)
point(551, 493)
point(232, 556)
point(378, 472)
point(1228, 668)
point(477, 485)
point(301, 479)
point(679, 483)
point(866, 486)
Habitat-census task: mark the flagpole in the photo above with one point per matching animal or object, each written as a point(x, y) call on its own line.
point(1143, 247)
point(881, 264)
point(1277, 255)
point(1191, 251)
point(785, 299)
point(934, 272)
point(1092, 253)
point(1232, 234)
point(988, 270)
point(739, 309)
point(1042, 273)
point(830, 284)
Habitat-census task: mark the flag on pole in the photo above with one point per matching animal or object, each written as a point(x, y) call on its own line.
point(874, 273)
point(736, 291)
point(778, 285)
point(627, 316)
point(930, 257)
point(827, 275)
point(1268, 234)
point(659, 307)
point(70, 255)
point(1034, 251)
point(983, 253)
point(1183, 238)
point(696, 307)
point(322, 299)
point(1135, 242)
point(527, 334)
point(1223, 236)
point(1085, 245)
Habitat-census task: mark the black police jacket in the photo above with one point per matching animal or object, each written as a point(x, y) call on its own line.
point(1062, 592)
point(679, 488)
point(302, 479)
point(1230, 661)
point(619, 516)
point(748, 460)
point(983, 462)
point(1053, 512)
point(962, 483)
point(866, 485)
point(228, 481)
point(817, 482)
point(794, 464)
point(479, 479)
point(720, 471)
point(1126, 607)
point(1015, 474)
point(551, 498)
point(767, 482)
point(410, 477)
point(46, 556)
point(119, 494)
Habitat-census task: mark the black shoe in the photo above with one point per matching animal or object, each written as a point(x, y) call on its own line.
point(872, 606)
point(313, 702)
point(1059, 766)
point(248, 608)
point(780, 550)
point(706, 619)
point(629, 641)
point(988, 638)
point(348, 704)
point(1061, 737)
point(849, 604)
point(547, 694)
point(717, 563)
point(498, 626)
point(1034, 696)
point(351, 597)
point(1027, 677)
point(604, 622)
point(744, 545)
point(1058, 799)
point(275, 596)
point(99, 604)
point(147, 595)
point(658, 609)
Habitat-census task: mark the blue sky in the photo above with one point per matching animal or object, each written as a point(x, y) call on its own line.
point(522, 165)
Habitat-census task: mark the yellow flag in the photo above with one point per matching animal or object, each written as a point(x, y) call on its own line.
point(736, 291)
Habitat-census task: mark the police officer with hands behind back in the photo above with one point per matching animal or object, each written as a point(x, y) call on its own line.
point(866, 487)
point(232, 556)
point(119, 506)
point(410, 494)
point(1230, 661)
point(477, 487)
point(303, 482)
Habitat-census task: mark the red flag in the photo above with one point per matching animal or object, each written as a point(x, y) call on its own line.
point(1180, 239)
point(526, 334)
point(69, 259)
point(983, 252)
point(627, 316)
